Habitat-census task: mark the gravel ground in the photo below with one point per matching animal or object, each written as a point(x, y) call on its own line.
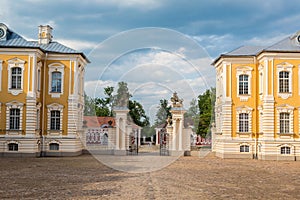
point(192, 177)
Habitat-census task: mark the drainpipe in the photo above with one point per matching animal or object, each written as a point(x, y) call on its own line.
point(43, 109)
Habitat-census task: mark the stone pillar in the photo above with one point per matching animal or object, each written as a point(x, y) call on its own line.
point(213, 137)
point(177, 133)
point(121, 127)
point(31, 117)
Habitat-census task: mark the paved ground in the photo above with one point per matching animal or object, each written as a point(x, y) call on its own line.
point(187, 178)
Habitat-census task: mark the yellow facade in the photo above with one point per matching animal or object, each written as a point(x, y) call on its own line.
point(39, 109)
point(258, 101)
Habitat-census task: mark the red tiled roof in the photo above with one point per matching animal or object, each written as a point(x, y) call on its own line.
point(94, 121)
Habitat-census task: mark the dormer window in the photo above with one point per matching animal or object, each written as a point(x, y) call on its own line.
point(3, 32)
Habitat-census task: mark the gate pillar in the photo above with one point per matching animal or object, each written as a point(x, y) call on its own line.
point(177, 139)
point(121, 130)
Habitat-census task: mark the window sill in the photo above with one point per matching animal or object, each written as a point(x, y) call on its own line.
point(244, 97)
point(285, 95)
point(15, 92)
point(244, 134)
point(55, 94)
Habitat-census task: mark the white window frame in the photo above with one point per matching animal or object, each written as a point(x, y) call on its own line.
point(14, 105)
point(287, 67)
point(54, 142)
point(54, 107)
point(244, 148)
point(244, 70)
point(38, 79)
point(247, 110)
point(56, 67)
point(285, 108)
point(243, 121)
point(12, 63)
point(285, 152)
point(12, 142)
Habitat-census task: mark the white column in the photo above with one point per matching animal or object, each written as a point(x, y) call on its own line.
point(180, 135)
point(117, 133)
point(123, 136)
point(174, 135)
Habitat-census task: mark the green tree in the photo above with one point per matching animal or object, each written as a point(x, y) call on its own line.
point(206, 103)
point(193, 114)
point(89, 108)
point(138, 114)
point(163, 112)
point(121, 99)
point(103, 106)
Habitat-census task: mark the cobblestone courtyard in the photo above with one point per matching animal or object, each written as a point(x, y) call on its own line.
point(84, 177)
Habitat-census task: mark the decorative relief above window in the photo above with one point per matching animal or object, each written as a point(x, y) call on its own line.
point(15, 76)
point(244, 76)
point(284, 80)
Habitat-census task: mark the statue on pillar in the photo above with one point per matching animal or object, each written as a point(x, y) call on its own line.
point(176, 102)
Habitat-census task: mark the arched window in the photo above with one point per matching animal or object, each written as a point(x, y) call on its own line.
point(284, 82)
point(243, 122)
point(284, 122)
point(54, 146)
point(243, 84)
point(244, 148)
point(285, 150)
point(56, 82)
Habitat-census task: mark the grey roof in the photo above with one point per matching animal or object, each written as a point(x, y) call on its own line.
point(14, 40)
point(246, 51)
point(288, 44)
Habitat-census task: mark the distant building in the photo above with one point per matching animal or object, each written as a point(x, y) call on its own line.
point(41, 95)
point(258, 102)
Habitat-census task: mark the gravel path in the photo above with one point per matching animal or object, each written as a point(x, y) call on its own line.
point(84, 177)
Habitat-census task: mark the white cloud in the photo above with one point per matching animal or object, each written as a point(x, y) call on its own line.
point(137, 4)
point(77, 44)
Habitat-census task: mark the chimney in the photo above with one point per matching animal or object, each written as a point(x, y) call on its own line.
point(45, 34)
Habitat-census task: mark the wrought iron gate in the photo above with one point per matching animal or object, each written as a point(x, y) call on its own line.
point(163, 143)
point(133, 148)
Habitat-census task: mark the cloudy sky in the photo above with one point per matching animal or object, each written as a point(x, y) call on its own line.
point(173, 55)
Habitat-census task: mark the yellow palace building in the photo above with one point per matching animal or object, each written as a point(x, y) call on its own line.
point(41, 95)
point(258, 102)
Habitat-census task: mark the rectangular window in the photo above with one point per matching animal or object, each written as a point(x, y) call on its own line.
point(13, 147)
point(16, 78)
point(284, 122)
point(54, 147)
point(14, 119)
point(243, 84)
point(284, 82)
point(285, 150)
point(243, 122)
point(55, 120)
point(244, 148)
point(56, 82)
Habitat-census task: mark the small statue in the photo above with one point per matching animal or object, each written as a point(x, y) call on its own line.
point(169, 121)
point(176, 101)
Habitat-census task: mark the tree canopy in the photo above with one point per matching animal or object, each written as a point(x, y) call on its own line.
point(104, 106)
